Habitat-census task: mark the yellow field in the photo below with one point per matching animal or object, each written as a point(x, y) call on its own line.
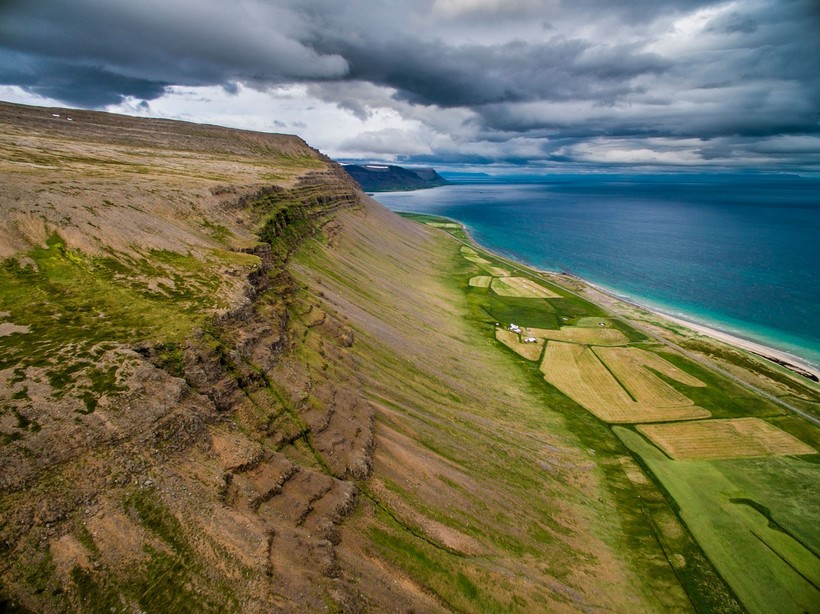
point(494, 270)
point(470, 254)
point(521, 287)
point(629, 366)
point(732, 438)
point(577, 372)
point(443, 225)
point(530, 351)
point(481, 281)
point(587, 336)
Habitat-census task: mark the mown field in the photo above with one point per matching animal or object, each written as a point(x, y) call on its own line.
point(530, 351)
point(738, 437)
point(616, 389)
point(729, 487)
point(586, 336)
point(520, 287)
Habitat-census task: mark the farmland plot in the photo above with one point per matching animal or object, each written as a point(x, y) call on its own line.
point(719, 439)
point(481, 281)
point(530, 351)
point(577, 372)
point(587, 336)
point(521, 287)
point(593, 322)
point(494, 270)
point(629, 366)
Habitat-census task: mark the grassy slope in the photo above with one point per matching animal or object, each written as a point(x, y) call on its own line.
point(490, 491)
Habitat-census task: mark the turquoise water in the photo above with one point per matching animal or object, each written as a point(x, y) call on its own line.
point(736, 252)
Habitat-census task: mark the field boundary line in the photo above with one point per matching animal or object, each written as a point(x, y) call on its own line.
point(612, 373)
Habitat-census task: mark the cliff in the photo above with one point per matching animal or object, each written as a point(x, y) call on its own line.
point(158, 439)
point(387, 178)
point(231, 382)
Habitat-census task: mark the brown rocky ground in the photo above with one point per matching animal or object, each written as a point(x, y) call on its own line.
point(231, 382)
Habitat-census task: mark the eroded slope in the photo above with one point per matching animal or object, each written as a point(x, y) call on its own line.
point(160, 449)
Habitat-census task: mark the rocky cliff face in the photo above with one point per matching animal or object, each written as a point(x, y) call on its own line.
point(185, 462)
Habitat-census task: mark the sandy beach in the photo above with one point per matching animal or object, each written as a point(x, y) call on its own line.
point(795, 363)
point(751, 346)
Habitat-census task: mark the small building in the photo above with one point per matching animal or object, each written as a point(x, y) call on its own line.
point(530, 340)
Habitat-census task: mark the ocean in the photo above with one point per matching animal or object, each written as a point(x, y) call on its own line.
point(739, 253)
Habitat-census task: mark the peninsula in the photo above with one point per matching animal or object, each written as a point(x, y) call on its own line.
point(386, 177)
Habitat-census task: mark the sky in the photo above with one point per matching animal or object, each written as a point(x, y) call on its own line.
point(537, 84)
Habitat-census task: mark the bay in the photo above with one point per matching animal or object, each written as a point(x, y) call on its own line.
point(736, 252)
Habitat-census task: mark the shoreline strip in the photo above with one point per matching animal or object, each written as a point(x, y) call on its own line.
point(796, 364)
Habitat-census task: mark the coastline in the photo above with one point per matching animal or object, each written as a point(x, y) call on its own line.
point(774, 355)
point(789, 361)
point(795, 364)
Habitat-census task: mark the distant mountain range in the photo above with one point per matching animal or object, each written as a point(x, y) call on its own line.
point(387, 178)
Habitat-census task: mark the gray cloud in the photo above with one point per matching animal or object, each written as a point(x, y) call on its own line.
point(483, 79)
point(116, 45)
point(435, 73)
point(75, 84)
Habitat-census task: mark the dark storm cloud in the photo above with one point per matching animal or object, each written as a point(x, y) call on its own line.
point(113, 46)
point(84, 86)
point(473, 75)
point(525, 69)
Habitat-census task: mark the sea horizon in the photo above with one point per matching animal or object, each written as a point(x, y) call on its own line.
point(764, 292)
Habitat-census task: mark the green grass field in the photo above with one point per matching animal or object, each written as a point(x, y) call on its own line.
point(761, 538)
